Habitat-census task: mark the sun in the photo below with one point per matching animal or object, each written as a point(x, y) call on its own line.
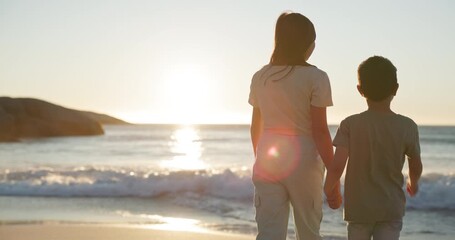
point(186, 92)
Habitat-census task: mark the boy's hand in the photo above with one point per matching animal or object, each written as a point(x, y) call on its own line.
point(412, 189)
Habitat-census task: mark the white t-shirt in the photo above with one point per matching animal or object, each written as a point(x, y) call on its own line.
point(284, 95)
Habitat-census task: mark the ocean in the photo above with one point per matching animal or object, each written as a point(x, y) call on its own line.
point(186, 177)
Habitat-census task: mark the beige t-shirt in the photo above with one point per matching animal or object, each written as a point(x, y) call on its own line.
point(377, 143)
point(284, 95)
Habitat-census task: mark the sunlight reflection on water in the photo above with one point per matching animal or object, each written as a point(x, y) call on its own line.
point(160, 222)
point(185, 144)
point(176, 224)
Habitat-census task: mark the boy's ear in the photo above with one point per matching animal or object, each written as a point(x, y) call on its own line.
point(396, 89)
point(359, 88)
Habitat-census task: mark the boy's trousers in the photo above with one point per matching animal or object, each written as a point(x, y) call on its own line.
point(386, 230)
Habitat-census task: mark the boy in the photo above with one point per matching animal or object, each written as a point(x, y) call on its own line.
point(375, 142)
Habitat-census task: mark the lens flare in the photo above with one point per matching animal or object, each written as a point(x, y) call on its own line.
point(277, 157)
point(273, 152)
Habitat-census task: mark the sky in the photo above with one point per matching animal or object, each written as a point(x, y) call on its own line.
point(179, 61)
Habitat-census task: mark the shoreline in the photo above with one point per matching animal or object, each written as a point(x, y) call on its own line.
point(76, 231)
point(103, 231)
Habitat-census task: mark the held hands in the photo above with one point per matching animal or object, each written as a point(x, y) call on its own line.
point(412, 188)
point(334, 201)
point(334, 198)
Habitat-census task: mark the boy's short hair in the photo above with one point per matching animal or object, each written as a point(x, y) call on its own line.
point(377, 78)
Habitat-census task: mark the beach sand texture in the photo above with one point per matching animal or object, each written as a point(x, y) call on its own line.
point(105, 232)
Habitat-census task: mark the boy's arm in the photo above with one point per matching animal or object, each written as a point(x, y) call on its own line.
point(332, 181)
point(321, 134)
point(415, 171)
point(256, 128)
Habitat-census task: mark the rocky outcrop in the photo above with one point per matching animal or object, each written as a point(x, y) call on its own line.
point(104, 119)
point(33, 118)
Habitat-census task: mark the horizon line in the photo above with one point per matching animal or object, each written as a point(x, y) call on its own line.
point(245, 124)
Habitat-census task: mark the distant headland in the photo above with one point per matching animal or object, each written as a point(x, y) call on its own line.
point(35, 118)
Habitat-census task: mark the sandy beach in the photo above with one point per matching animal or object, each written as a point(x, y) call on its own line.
point(105, 232)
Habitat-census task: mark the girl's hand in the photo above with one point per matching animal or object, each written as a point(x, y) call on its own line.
point(335, 201)
point(334, 198)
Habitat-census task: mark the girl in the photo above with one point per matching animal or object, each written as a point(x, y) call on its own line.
point(289, 133)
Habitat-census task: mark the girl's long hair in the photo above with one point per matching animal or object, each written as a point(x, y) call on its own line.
point(294, 34)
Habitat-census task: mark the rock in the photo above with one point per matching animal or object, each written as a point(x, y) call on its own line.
point(33, 118)
point(104, 119)
point(7, 127)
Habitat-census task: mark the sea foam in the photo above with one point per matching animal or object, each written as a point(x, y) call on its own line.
point(436, 192)
point(94, 182)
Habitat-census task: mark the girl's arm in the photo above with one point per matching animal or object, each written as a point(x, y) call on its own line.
point(321, 134)
point(332, 181)
point(323, 140)
point(256, 128)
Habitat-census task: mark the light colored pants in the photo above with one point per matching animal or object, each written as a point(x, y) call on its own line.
point(389, 230)
point(288, 171)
